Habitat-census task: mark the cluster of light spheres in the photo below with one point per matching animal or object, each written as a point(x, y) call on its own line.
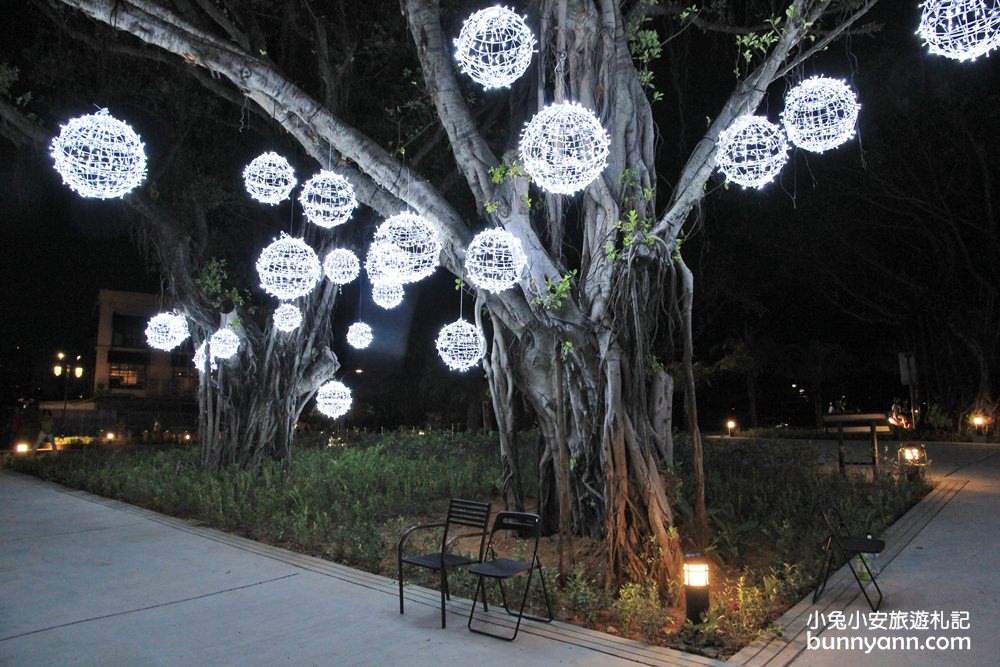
point(288, 268)
point(387, 295)
point(328, 199)
point(224, 344)
point(564, 148)
point(333, 399)
point(494, 47)
point(269, 178)
point(752, 151)
point(359, 335)
point(494, 260)
point(199, 359)
point(960, 29)
point(99, 156)
point(287, 317)
point(387, 264)
point(416, 237)
point(341, 266)
point(820, 114)
point(166, 331)
point(461, 345)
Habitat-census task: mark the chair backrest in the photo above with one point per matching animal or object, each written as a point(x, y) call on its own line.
point(468, 513)
point(525, 524)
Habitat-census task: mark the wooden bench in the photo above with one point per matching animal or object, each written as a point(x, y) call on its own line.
point(857, 422)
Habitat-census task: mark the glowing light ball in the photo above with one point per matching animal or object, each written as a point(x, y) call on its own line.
point(564, 148)
point(199, 359)
point(494, 260)
point(359, 335)
point(333, 399)
point(166, 331)
point(387, 263)
point(341, 266)
point(99, 156)
point(461, 345)
point(820, 114)
point(416, 237)
point(752, 151)
point(328, 199)
point(494, 47)
point(288, 268)
point(287, 317)
point(960, 29)
point(269, 178)
point(224, 344)
point(387, 295)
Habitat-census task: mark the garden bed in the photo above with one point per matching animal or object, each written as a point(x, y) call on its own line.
point(348, 500)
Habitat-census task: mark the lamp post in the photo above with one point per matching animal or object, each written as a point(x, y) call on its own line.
point(731, 426)
point(64, 368)
point(696, 586)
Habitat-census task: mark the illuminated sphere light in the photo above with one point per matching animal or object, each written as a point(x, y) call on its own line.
point(359, 335)
point(166, 331)
point(328, 199)
point(564, 148)
point(288, 268)
point(333, 399)
point(461, 345)
point(820, 114)
point(287, 317)
point(494, 260)
point(199, 359)
point(416, 237)
point(269, 178)
point(387, 263)
point(752, 151)
point(494, 47)
point(387, 295)
point(99, 156)
point(225, 343)
point(341, 266)
point(960, 29)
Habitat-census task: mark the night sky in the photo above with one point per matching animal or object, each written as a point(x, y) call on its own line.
point(57, 249)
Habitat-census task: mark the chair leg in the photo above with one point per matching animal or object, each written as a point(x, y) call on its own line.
point(821, 584)
point(399, 575)
point(444, 594)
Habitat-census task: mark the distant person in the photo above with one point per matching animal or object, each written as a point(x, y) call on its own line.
point(46, 426)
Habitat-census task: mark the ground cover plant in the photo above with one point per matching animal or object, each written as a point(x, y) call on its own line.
point(349, 497)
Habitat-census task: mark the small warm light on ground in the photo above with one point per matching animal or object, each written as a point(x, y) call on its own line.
point(696, 586)
point(187, 436)
point(731, 426)
point(913, 455)
point(109, 436)
point(22, 448)
point(978, 420)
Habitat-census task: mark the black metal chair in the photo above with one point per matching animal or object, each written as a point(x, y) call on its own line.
point(527, 526)
point(468, 513)
point(848, 545)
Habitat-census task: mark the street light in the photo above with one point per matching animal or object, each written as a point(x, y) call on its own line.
point(63, 369)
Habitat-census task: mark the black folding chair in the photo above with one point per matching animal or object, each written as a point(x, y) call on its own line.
point(848, 545)
point(527, 526)
point(468, 513)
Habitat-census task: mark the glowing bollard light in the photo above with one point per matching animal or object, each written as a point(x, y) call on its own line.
point(912, 459)
point(696, 586)
point(731, 426)
point(22, 448)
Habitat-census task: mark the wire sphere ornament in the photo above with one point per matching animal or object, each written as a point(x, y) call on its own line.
point(341, 266)
point(99, 156)
point(752, 151)
point(269, 178)
point(333, 399)
point(224, 344)
point(416, 237)
point(387, 295)
point(960, 29)
point(461, 345)
point(287, 317)
point(494, 260)
point(820, 114)
point(328, 199)
point(166, 331)
point(288, 268)
point(359, 335)
point(199, 359)
point(494, 47)
point(386, 263)
point(564, 148)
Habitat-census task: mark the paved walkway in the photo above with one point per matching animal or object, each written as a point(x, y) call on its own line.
point(90, 581)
